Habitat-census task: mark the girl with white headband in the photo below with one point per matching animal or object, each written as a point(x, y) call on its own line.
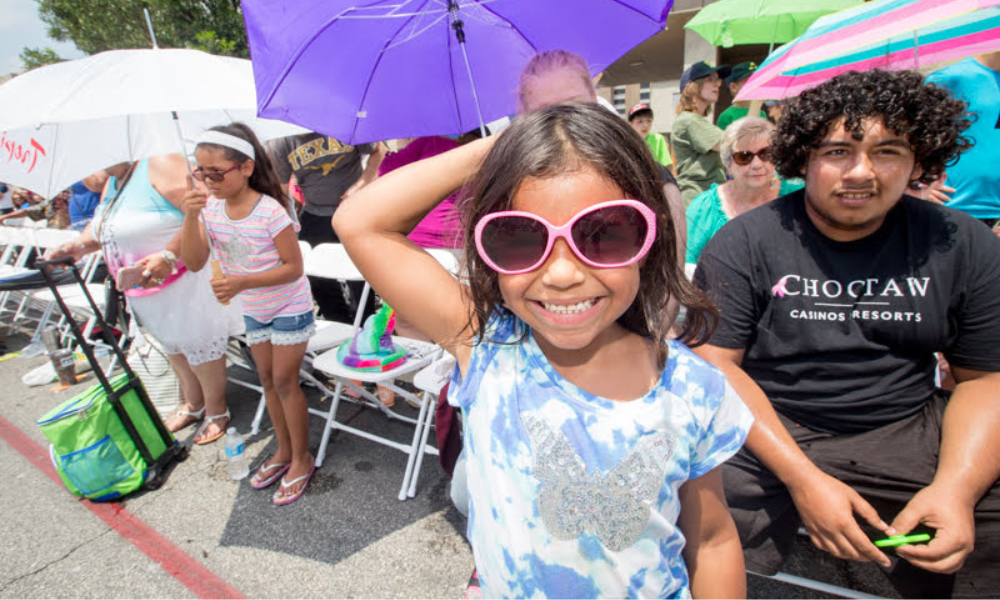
point(247, 222)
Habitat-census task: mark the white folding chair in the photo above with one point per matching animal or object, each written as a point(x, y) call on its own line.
point(17, 244)
point(43, 300)
point(420, 355)
point(430, 380)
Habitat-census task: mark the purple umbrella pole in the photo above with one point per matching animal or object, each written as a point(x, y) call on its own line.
point(459, 27)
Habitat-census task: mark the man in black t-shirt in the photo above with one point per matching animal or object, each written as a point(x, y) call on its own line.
point(834, 300)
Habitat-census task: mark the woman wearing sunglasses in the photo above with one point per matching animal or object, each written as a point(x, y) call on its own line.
point(593, 442)
point(745, 148)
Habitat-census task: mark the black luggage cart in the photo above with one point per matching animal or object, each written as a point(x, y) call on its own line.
point(158, 467)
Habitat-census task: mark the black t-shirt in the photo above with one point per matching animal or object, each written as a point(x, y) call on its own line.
point(841, 335)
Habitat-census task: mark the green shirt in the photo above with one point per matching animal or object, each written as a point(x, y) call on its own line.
point(698, 165)
point(658, 146)
point(705, 217)
point(732, 113)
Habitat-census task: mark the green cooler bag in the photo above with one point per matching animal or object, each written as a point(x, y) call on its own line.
point(90, 448)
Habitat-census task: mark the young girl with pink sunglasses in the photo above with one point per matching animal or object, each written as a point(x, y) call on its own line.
point(593, 442)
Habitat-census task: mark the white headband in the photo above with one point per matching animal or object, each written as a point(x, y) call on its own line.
point(229, 141)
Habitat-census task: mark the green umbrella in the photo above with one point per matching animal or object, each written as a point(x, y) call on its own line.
point(727, 23)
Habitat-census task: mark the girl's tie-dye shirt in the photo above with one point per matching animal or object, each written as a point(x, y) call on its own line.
point(576, 496)
point(247, 246)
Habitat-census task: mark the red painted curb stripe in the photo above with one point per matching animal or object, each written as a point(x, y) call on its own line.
point(173, 560)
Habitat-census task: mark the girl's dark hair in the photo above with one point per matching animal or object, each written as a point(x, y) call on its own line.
point(576, 136)
point(264, 178)
point(929, 116)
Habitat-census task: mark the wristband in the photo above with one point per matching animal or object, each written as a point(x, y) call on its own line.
point(171, 259)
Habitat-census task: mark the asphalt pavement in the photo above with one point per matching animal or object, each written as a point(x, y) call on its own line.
point(204, 535)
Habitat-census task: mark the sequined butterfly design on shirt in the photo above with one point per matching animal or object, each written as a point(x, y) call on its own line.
point(614, 506)
point(237, 250)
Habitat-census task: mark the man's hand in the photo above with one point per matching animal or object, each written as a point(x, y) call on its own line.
point(357, 185)
point(226, 287)
point(827, 508)
point(936, 191)
point(955, 524)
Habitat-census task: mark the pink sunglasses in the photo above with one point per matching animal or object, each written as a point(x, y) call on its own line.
point(606, 235)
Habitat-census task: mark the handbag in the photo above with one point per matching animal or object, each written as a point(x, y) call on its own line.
point(149, 361)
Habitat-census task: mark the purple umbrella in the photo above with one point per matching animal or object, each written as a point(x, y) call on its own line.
point(384, 69)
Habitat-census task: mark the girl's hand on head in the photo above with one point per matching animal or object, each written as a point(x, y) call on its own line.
point(226, 287)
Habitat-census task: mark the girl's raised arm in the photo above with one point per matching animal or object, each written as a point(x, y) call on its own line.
point(373, 223)
point(194, 244)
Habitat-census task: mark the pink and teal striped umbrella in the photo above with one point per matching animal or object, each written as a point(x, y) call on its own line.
point(885, 34)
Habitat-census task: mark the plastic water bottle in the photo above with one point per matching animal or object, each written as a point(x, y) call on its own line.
point(238, 467)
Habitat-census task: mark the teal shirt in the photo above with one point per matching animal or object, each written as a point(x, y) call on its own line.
point(975, 177)
point(705, 217)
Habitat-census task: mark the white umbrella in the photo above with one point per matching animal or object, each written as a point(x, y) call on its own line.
point(62, 122)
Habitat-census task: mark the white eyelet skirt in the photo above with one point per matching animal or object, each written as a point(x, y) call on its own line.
point(186, 318)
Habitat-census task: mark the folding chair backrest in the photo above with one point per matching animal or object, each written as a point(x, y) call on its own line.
point(331, 261)
point(16, 243)
point(449, 259)
point(51, 238)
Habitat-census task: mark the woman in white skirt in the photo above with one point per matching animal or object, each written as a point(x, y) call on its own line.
point(138, 225)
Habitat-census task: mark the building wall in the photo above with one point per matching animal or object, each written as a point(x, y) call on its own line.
point(665, 95)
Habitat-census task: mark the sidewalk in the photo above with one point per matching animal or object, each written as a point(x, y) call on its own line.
point(347, 537)
point(204, 535)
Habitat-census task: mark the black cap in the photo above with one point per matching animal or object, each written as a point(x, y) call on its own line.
point(642, 107)
point(741, 71)
point(702, 69)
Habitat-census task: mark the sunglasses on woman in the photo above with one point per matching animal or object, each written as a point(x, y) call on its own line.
point(745, 157)
point(606, 235)
point(216, 176)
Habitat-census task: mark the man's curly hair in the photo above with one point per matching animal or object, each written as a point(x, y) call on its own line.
point(930, 118)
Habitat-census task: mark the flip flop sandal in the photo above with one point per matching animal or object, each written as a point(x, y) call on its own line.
point(259, 481)
point(208, 421)
point(280, 499)
point(473, 591)
point(196, 414)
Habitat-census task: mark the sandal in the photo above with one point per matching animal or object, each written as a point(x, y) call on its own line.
point(208, 421)
point(195, 415)
point(261, 480)
point(280, 498)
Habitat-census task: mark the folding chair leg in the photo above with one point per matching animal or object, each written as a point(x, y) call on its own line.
point(416, 449)
point(258, 416)
point(43, 320)
point(328, 426)
point(427, 420)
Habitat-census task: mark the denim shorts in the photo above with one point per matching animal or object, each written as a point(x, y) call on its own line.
point(282, 330)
